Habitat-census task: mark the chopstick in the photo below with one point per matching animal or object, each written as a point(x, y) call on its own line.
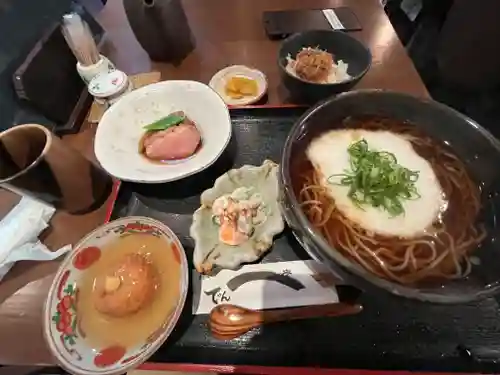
point(77, 34)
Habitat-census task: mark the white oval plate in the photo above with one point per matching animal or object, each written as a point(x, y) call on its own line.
point(218, 83)
point(121, 128)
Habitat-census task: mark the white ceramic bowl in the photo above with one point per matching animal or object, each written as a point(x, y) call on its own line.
point(63, 334)
point(219, 80)
point(121, 128)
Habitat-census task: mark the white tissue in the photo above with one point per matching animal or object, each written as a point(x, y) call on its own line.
point(19, 231)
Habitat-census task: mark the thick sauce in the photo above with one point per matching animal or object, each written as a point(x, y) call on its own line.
point(103, 331)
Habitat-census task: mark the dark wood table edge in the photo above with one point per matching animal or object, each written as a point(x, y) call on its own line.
point(275, 370)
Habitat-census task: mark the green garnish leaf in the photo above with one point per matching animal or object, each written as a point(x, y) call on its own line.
point(375, 178)
point(165, 122)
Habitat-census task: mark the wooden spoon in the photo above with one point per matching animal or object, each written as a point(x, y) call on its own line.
point(230, 321)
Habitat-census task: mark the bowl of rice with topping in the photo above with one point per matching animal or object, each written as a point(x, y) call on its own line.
point(317, 64)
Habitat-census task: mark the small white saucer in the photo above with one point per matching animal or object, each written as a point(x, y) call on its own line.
point(218, 83)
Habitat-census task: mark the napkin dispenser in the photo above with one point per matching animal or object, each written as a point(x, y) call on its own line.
point(47, 79)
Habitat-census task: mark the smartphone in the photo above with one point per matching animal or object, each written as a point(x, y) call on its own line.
point(281, 24)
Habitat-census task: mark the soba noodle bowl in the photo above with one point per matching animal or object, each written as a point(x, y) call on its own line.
point(415, 218)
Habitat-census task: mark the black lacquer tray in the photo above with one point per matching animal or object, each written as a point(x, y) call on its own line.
point(390, 334)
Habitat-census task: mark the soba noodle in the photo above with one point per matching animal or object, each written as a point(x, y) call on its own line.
point(442, 252)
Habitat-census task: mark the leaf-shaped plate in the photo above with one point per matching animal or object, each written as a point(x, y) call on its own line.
point(209, 251)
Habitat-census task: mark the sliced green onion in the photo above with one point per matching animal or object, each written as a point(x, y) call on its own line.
point(375, 178)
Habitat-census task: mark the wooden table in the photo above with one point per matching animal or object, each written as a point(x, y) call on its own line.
point(227, 32)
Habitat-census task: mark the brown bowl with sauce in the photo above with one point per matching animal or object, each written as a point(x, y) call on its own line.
point(117, 297)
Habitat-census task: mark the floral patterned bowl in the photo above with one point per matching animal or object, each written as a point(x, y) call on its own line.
point(61, 322)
